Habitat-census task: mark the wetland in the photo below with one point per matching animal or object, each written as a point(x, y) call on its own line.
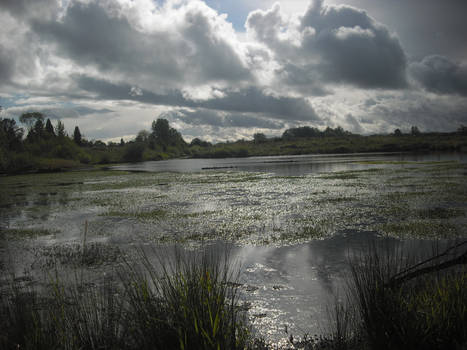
point(290, 223)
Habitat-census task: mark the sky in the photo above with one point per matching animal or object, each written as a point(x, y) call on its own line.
point(226, 69)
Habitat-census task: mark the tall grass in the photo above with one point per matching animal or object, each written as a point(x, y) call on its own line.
point(188, 302)
point(428, 311)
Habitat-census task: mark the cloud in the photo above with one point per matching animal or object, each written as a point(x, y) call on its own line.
point(428, 112)
point(6, 66)
point(193, 50)
point(335, 44)
point(440, 75)
point(205, 117)
point(27, 8)
point(99, 63)
point(55, 111)
point(248, 100)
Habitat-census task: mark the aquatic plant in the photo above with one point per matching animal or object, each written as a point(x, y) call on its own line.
point(188, 302)
point(396, 302)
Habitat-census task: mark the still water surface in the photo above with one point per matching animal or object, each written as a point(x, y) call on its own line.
point(290, 165)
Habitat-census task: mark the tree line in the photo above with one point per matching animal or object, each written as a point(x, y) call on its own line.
point(38, 145)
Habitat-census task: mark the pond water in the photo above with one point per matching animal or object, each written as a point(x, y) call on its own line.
point(289, 165)
point(291, 222)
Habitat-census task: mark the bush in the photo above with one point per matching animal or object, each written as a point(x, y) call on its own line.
point(134, 152)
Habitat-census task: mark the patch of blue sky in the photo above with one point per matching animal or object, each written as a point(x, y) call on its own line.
point(7, 101)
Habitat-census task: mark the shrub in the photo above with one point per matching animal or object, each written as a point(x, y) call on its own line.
point(134, 152)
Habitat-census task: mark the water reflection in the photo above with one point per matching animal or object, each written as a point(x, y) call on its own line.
point(293, 285)
point(288, 165)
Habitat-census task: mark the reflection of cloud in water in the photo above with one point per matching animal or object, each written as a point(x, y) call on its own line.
point(294, 284)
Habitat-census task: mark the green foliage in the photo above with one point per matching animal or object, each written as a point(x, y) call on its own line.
point(164, 142)
point(77, 138)
point(134, 152)
point(60, 129)
point(10, 135)
point(259, 138)
point(164, 135)
point(49, 129)
point(306, 131)
point(198, 142)
point(31, 118)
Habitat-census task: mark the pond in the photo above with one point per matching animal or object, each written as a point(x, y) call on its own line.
point(291, 222)
point(289, 165)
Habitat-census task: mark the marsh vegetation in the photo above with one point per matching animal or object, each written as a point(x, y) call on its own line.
point(293, 235)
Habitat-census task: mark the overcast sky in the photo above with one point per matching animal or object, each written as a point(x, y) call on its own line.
point(226, 69)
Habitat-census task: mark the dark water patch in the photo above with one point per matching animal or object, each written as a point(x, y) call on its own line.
point(64, 184)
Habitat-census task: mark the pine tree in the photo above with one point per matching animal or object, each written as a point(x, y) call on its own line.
point(60, 129)
point(77, 136)
point(49, 129)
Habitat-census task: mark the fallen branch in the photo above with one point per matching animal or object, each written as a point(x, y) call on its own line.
point(417, 269)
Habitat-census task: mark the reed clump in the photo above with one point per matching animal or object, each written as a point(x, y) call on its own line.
point(186, 302)
point(394, 301)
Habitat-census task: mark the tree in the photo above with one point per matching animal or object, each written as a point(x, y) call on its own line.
point(259, 138)
point(122, 142)
point(161, 130)
point(77, 136)
point(10, 134)
point(31, 118)
point(462, 130)
point(397, 132)
point(143, 136)
point(49, 129)
point(60, 129)
point(414, 130)
point(134, 152)
point(198, 142)
point(37, 131)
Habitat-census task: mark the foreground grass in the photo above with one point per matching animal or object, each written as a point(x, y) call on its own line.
point(395, 302)
point(392, 301)
point(183, 303)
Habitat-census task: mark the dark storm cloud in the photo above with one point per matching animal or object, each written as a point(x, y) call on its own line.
point(337, 44)
point(88, 34)
point(22, 8)
point(440, 75)
point(6, 66)
point(222, 119)
point(250, 100)
point(57, 112)
point(355, 49)
point(428, 113)
point(304, 79)
point(424, 27)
